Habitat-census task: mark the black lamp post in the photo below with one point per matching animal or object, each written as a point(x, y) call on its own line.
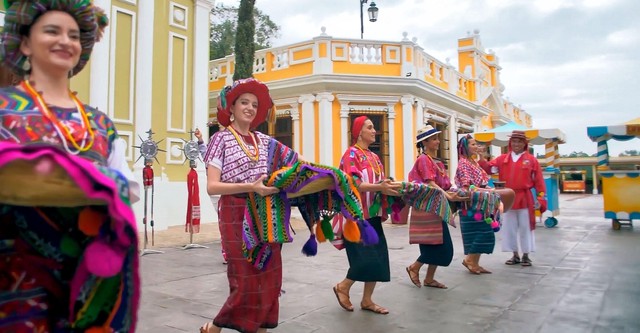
point(373, 15)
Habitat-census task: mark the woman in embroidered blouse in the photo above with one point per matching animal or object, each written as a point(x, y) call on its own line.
point(368, 264)
point(42, 249)
point(237, 165)
point(477, 236)
point(437, 249)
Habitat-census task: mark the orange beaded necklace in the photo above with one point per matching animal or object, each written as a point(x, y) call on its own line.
point(63, 131)
point(372, 161)
point(253, 157)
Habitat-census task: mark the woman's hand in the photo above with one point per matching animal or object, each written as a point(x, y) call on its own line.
point(259, 187)
point(453, 196)
point(390, 188)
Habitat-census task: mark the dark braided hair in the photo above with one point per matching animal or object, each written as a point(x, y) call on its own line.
point(463, 146)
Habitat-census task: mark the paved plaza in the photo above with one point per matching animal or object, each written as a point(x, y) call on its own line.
point(585, 278)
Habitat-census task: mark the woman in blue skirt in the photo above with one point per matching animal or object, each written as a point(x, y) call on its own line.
point(477, 236)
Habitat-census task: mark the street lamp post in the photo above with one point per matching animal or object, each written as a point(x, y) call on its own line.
point(373, 15)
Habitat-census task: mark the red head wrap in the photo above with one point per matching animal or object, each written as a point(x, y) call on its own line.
point(356, 127)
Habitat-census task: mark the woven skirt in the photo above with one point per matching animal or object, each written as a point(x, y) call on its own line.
point(369, 263)
point(438, 254)
point(253, 294)
point(477, 236)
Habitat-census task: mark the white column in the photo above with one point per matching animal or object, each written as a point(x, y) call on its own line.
point(420, 120)
point(200, 63)
point(308, 127)
point(392, 141)
point(295, 126)
point(325, 128)
point(345, 140)
point(408, 134)
point(144, 71)
point(453, 146)
point(99, 80)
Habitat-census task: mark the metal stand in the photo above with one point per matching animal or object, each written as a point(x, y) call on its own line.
point(148, 180)
point(191, 153)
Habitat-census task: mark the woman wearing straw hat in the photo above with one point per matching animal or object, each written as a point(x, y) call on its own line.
point(367, 263)
point(67, 267)
point(436, 247)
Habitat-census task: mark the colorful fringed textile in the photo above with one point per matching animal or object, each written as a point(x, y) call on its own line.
point(87, 276)
point(417, 195)
point(483, 204)
point(319, 191)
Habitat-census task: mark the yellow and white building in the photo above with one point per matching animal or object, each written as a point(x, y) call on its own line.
point(320, 85)
point(151, 71)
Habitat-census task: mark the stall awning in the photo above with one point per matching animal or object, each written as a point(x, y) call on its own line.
point(536, 136)
point(627, 131)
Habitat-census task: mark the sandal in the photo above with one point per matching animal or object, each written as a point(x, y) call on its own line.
point(514, 260)
point(526, 261)
point(484, 270)
point(206, 327)
point(344, 304)
point(375, 308)
point(414, 276)
point(435, 284)
point(471, 270)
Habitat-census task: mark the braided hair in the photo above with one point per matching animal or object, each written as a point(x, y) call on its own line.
point(463, 146)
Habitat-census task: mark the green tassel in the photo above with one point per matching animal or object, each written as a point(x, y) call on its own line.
point(327, 229)
point(375, 206)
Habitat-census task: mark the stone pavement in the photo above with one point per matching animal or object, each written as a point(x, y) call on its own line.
point(585, 278)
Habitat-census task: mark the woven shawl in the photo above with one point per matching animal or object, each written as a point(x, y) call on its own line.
point(319, 192)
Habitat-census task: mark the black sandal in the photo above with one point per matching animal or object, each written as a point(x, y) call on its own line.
point(514, 260)
point(526, 261)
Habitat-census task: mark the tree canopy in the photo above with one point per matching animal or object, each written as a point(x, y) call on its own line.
point(224, 30)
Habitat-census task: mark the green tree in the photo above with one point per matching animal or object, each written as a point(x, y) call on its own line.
point(630, 153)
point(578, 154)
point(223, 30)
point(244, 40)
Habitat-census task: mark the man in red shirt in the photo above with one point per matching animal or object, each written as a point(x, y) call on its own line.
point(521, 172)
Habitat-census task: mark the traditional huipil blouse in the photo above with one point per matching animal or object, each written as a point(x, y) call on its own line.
point(225, 153)
point(469, 174)
point(21, 122)
point(427, 169)
point(365, 166)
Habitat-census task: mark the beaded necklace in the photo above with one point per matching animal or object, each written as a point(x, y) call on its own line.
point(60, 128)
point(372, 161)
point(243, 145)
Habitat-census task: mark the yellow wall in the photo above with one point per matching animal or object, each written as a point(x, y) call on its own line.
point(400, 148)
point(172, 62)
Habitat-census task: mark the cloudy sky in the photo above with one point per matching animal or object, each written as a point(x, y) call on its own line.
point(569, 63)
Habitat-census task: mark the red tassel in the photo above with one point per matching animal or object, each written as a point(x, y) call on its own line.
point(90, 221)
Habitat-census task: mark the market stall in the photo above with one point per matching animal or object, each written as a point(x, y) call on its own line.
point(550, 138)
point(620, 188)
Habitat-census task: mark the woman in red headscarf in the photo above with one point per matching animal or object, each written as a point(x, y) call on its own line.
point(368, 264)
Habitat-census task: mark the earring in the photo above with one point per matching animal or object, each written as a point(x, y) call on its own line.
point(26, 65)
point(232, 118)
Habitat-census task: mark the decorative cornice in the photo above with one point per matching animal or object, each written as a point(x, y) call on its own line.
point(325, 96)
point(345, 98)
